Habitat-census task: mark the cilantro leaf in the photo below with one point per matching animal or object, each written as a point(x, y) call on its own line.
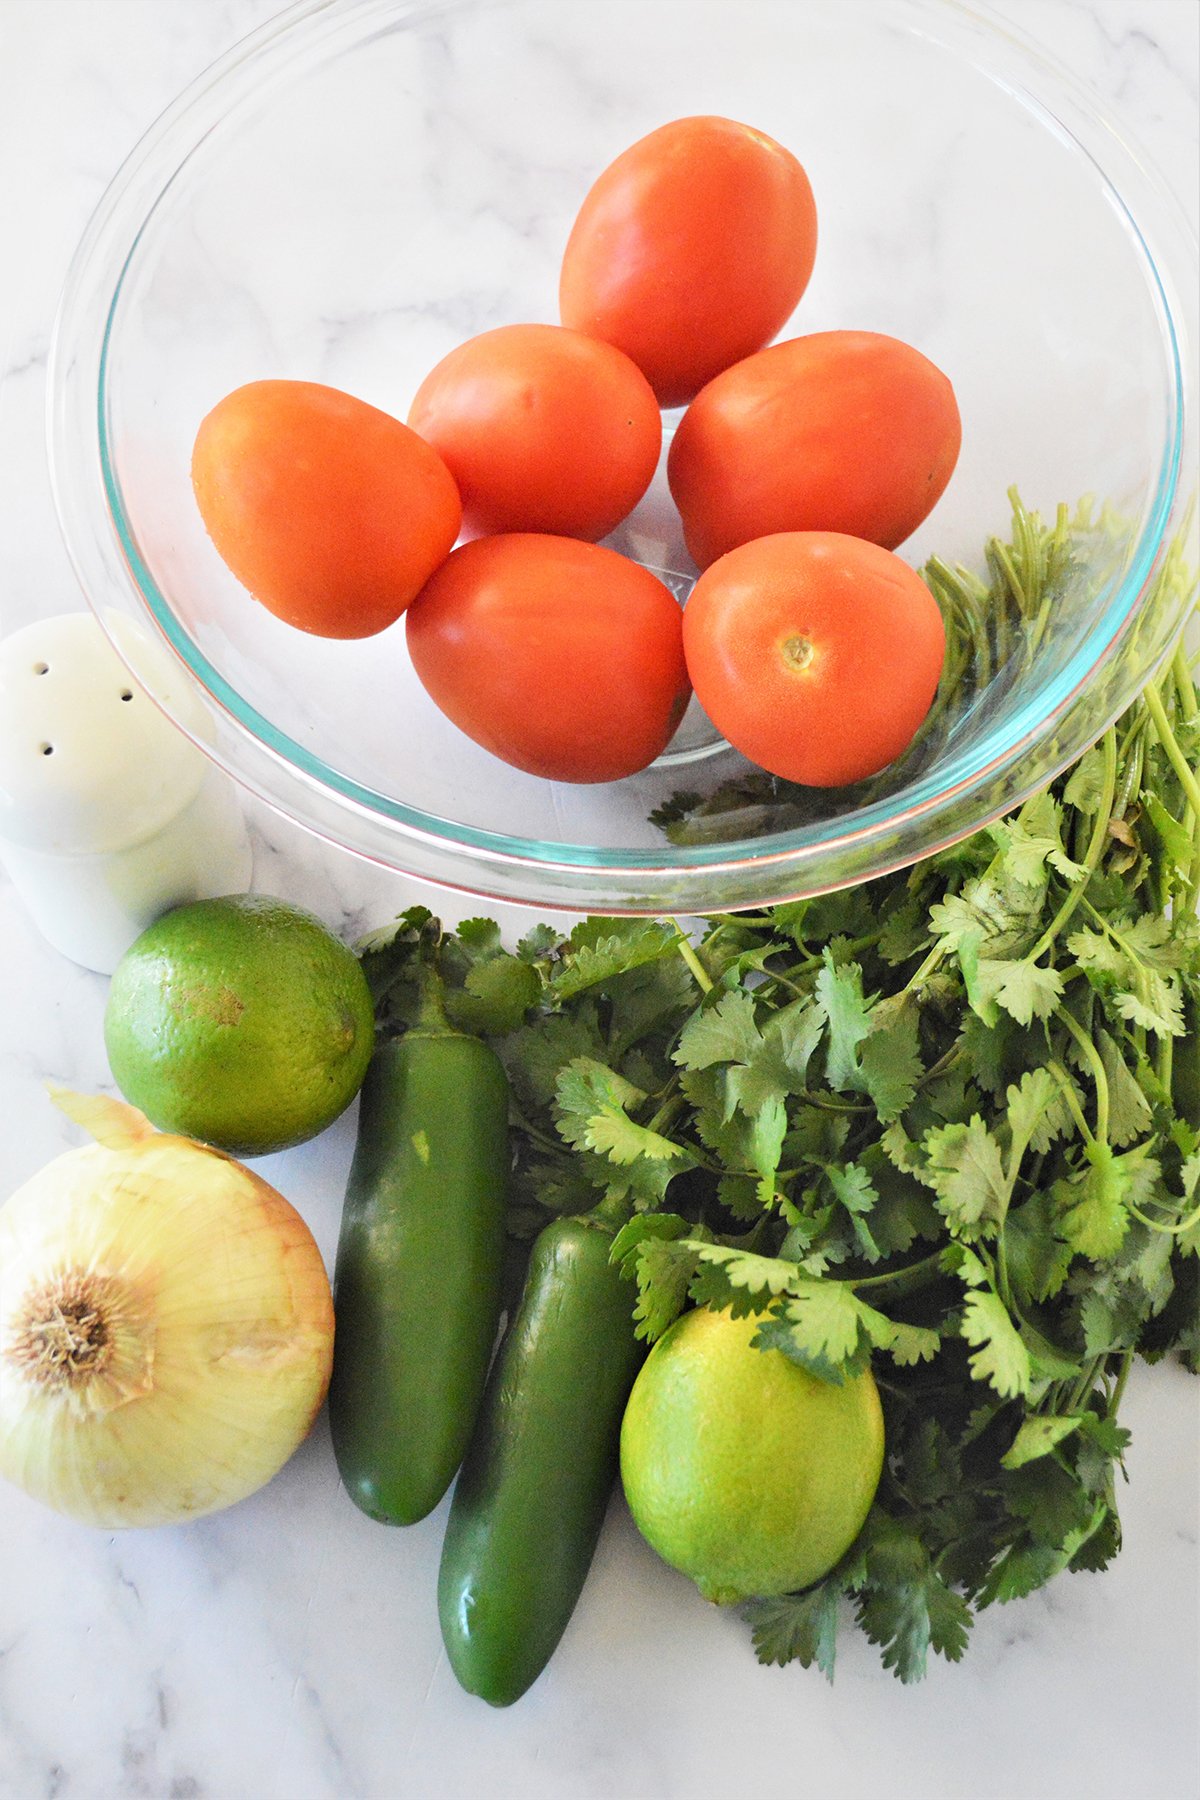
point(1085, 787)
point(481, 936)
point(778, 1063)
point(738, 1194)
point(1175, 841)
point(635, 1231)
point(1134, 971)
point(910, 1344)
point(852, 1186)
point(952, 1077)
point(495, 996)
point(1049, 1499)
point(1099, 1546)
point(839, 994)
point(615, 1135)
point(1155, 1005)
point(559, 1187)
point(905, 932)
point(965, 1168)
point(591, 960)
point(722, 1033)
point(585, 1092)
point(1038, 1257)
point(996, 921)
point(644, 1005)
point(871, 1050)
point(536, 1055)
point(1026, 1106)
point(592, 1113)
point(797, 1627)
point(767, 1131)
point(1095, 1215)
point(663, 1269)
point(1027, 841)
point(890, 1061)
point(1158, 942)
point(1038, 1436)
point(1000, 1357)
point(719, 1127)
point(904, 1606)
point(1025, 990)
point(539, 941)
point(743, 1269)
point(902, 1209)
point(1023, 1568)
point(1129, 1110)
point(1058, 1120)
point(821, 1328)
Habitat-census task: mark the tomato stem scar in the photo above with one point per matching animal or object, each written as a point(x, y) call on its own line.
point(797, 651)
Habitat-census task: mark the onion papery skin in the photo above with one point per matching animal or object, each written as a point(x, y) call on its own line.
point(216, 1332)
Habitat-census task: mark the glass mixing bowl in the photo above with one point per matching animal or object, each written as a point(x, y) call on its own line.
point(364, 183)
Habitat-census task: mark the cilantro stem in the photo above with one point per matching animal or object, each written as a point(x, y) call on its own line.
point(945, 1061)
point(1141, 973)
point(1094, 852)
point(784, 981)
point(693, 961)
point(666, 1112)
point(1114, 1399)
point(1170, 743)
point(1084, 1385)
point(533, 1131)
point(1189, 705)
point(907, 1280)
point(1091, 1057)
point(1165, 1061)
point(1173, 1230)
point(998, 554)
point(927, 966)
point(1193, 877)
point(1059, 1074)
point(851, 947)
point(1002, 1270)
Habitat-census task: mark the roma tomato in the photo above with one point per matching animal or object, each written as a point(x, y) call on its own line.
point(543, 429)
point(332, 513)
point(690, 251)
point(562, 658)
point(817, 655)
point(841, 431)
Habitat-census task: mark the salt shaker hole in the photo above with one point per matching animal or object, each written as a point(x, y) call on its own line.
point(127, 693)
point(41, 668)
point(46, 749)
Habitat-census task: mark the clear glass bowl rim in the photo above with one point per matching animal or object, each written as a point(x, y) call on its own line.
point(292, 779)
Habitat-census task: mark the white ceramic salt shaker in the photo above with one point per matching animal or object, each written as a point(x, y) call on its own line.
point(109, 814)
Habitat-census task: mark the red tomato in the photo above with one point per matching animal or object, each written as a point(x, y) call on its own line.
point(562, 658)
point(690, 251)
point(332, 513)
point(842, 431)
point(817, 655)
point(543, 429)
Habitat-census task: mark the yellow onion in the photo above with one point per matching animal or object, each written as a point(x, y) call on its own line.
point(166, 1326)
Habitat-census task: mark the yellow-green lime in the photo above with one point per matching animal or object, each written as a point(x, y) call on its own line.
point(742, 1469)
point(241, 1021)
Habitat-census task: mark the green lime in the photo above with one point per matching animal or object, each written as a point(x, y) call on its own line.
point(742, 1469)
point(242, 1022)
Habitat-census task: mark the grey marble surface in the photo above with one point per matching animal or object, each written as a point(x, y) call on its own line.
point(288, 1649)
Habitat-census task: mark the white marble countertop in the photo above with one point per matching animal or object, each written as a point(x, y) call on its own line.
point(288, 1649)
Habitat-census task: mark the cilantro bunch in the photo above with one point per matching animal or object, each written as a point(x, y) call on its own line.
point(947, 1122)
